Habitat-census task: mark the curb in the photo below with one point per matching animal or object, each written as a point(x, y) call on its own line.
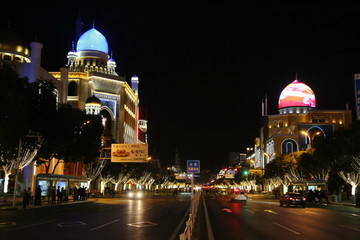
point(19, 207)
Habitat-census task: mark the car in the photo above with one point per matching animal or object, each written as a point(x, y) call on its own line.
point(135, 194)
point(292, 198)
point(239, 197)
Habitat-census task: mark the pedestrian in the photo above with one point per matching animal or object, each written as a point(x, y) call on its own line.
point(38, 195)
point(326, 194)
point(63, 195)
point(58, 194)
point(30, 197)
point(75, 196)
point(48, 193)
point(26, 198)
point(53, 195)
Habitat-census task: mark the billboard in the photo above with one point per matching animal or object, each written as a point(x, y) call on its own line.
point(357, 95)
point(127, 153)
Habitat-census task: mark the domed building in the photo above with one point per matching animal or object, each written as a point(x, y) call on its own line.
point(90, 74)
point(15, 51)
point(297, 126)
point(296, 97)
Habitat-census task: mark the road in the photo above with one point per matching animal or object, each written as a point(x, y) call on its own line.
point(154, 217)
point(260, 219)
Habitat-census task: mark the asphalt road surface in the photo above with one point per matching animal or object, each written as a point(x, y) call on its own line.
point(154, 217)
point(260, 219)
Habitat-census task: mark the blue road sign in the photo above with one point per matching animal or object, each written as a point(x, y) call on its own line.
point(193, 166)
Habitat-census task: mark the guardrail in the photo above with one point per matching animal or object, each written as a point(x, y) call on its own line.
point(190, 223)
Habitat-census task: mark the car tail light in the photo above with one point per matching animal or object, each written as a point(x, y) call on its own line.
point(304, 198)
point(291, 198)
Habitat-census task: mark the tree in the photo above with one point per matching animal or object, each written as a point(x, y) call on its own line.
point(76, 137)
point(16, 149)
point(352, 177)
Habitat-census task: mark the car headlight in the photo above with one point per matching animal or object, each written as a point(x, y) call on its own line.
point(131, 194)
point(139, 195)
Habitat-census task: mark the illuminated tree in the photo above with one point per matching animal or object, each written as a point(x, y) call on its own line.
point(353, 177)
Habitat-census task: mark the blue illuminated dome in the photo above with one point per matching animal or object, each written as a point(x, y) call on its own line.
point(92, 40)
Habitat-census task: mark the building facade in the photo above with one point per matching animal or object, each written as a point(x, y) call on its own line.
point(297, 126)
point(90, 72)
point(89, 82)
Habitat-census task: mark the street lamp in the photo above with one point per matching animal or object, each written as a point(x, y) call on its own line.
point(311, 139)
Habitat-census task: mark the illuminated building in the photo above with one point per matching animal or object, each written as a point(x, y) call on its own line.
point(27, 63)
point(298, 124)
point(90, 74)
point(142, 123)
point(88, 82)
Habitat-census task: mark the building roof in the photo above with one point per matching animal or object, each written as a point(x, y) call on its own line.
point(93, 100)
point(297, 94)
point(12, 43)
point(92, 40)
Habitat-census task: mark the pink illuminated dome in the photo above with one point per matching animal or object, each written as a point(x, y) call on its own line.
point(297, 97)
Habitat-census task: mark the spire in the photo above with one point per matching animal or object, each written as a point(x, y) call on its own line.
point(296, 76)
point(93, 23)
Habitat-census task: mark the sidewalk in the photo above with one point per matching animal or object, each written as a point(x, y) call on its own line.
point(44, 203)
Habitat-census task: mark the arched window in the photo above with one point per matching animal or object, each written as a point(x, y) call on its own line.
point(288, 146)
point(281, 124)
point(72, 89)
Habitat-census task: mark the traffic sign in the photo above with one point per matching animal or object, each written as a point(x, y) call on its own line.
point(193, 166)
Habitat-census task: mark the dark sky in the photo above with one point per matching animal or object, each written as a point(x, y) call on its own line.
point(204, 69)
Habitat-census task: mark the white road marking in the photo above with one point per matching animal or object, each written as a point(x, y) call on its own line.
point(208, 225)
point(5, 224)
point(142, 224)
point(70, 224)
point(250, 211)
point(352, 214)
point(270, 211)
point(315, 213)
point(296, 213)
point(352, 228)
point(31, 225)
point(95, 228)
point(286, 228)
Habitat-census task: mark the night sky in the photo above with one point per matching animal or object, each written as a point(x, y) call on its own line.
point(204, 69)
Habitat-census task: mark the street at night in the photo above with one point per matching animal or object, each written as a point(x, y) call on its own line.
point(179, 121)
point(161, 216)
point(264, 219)
point(153, 217)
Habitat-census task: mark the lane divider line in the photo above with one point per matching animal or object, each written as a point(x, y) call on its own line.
point(352, 228)
point(286, 228)
point(208, 225)
point(250, 211)
point(104, 225)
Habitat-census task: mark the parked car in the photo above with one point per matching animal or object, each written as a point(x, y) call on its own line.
point(292, 198)
point(239, 197)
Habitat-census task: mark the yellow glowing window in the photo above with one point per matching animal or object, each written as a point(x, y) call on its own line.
point(19, 48)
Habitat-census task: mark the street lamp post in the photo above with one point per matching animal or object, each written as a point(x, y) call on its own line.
point(311, 139)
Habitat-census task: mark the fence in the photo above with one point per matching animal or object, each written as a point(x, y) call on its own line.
point(187, 234)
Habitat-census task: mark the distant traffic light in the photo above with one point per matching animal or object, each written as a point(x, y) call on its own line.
point(245, 172)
